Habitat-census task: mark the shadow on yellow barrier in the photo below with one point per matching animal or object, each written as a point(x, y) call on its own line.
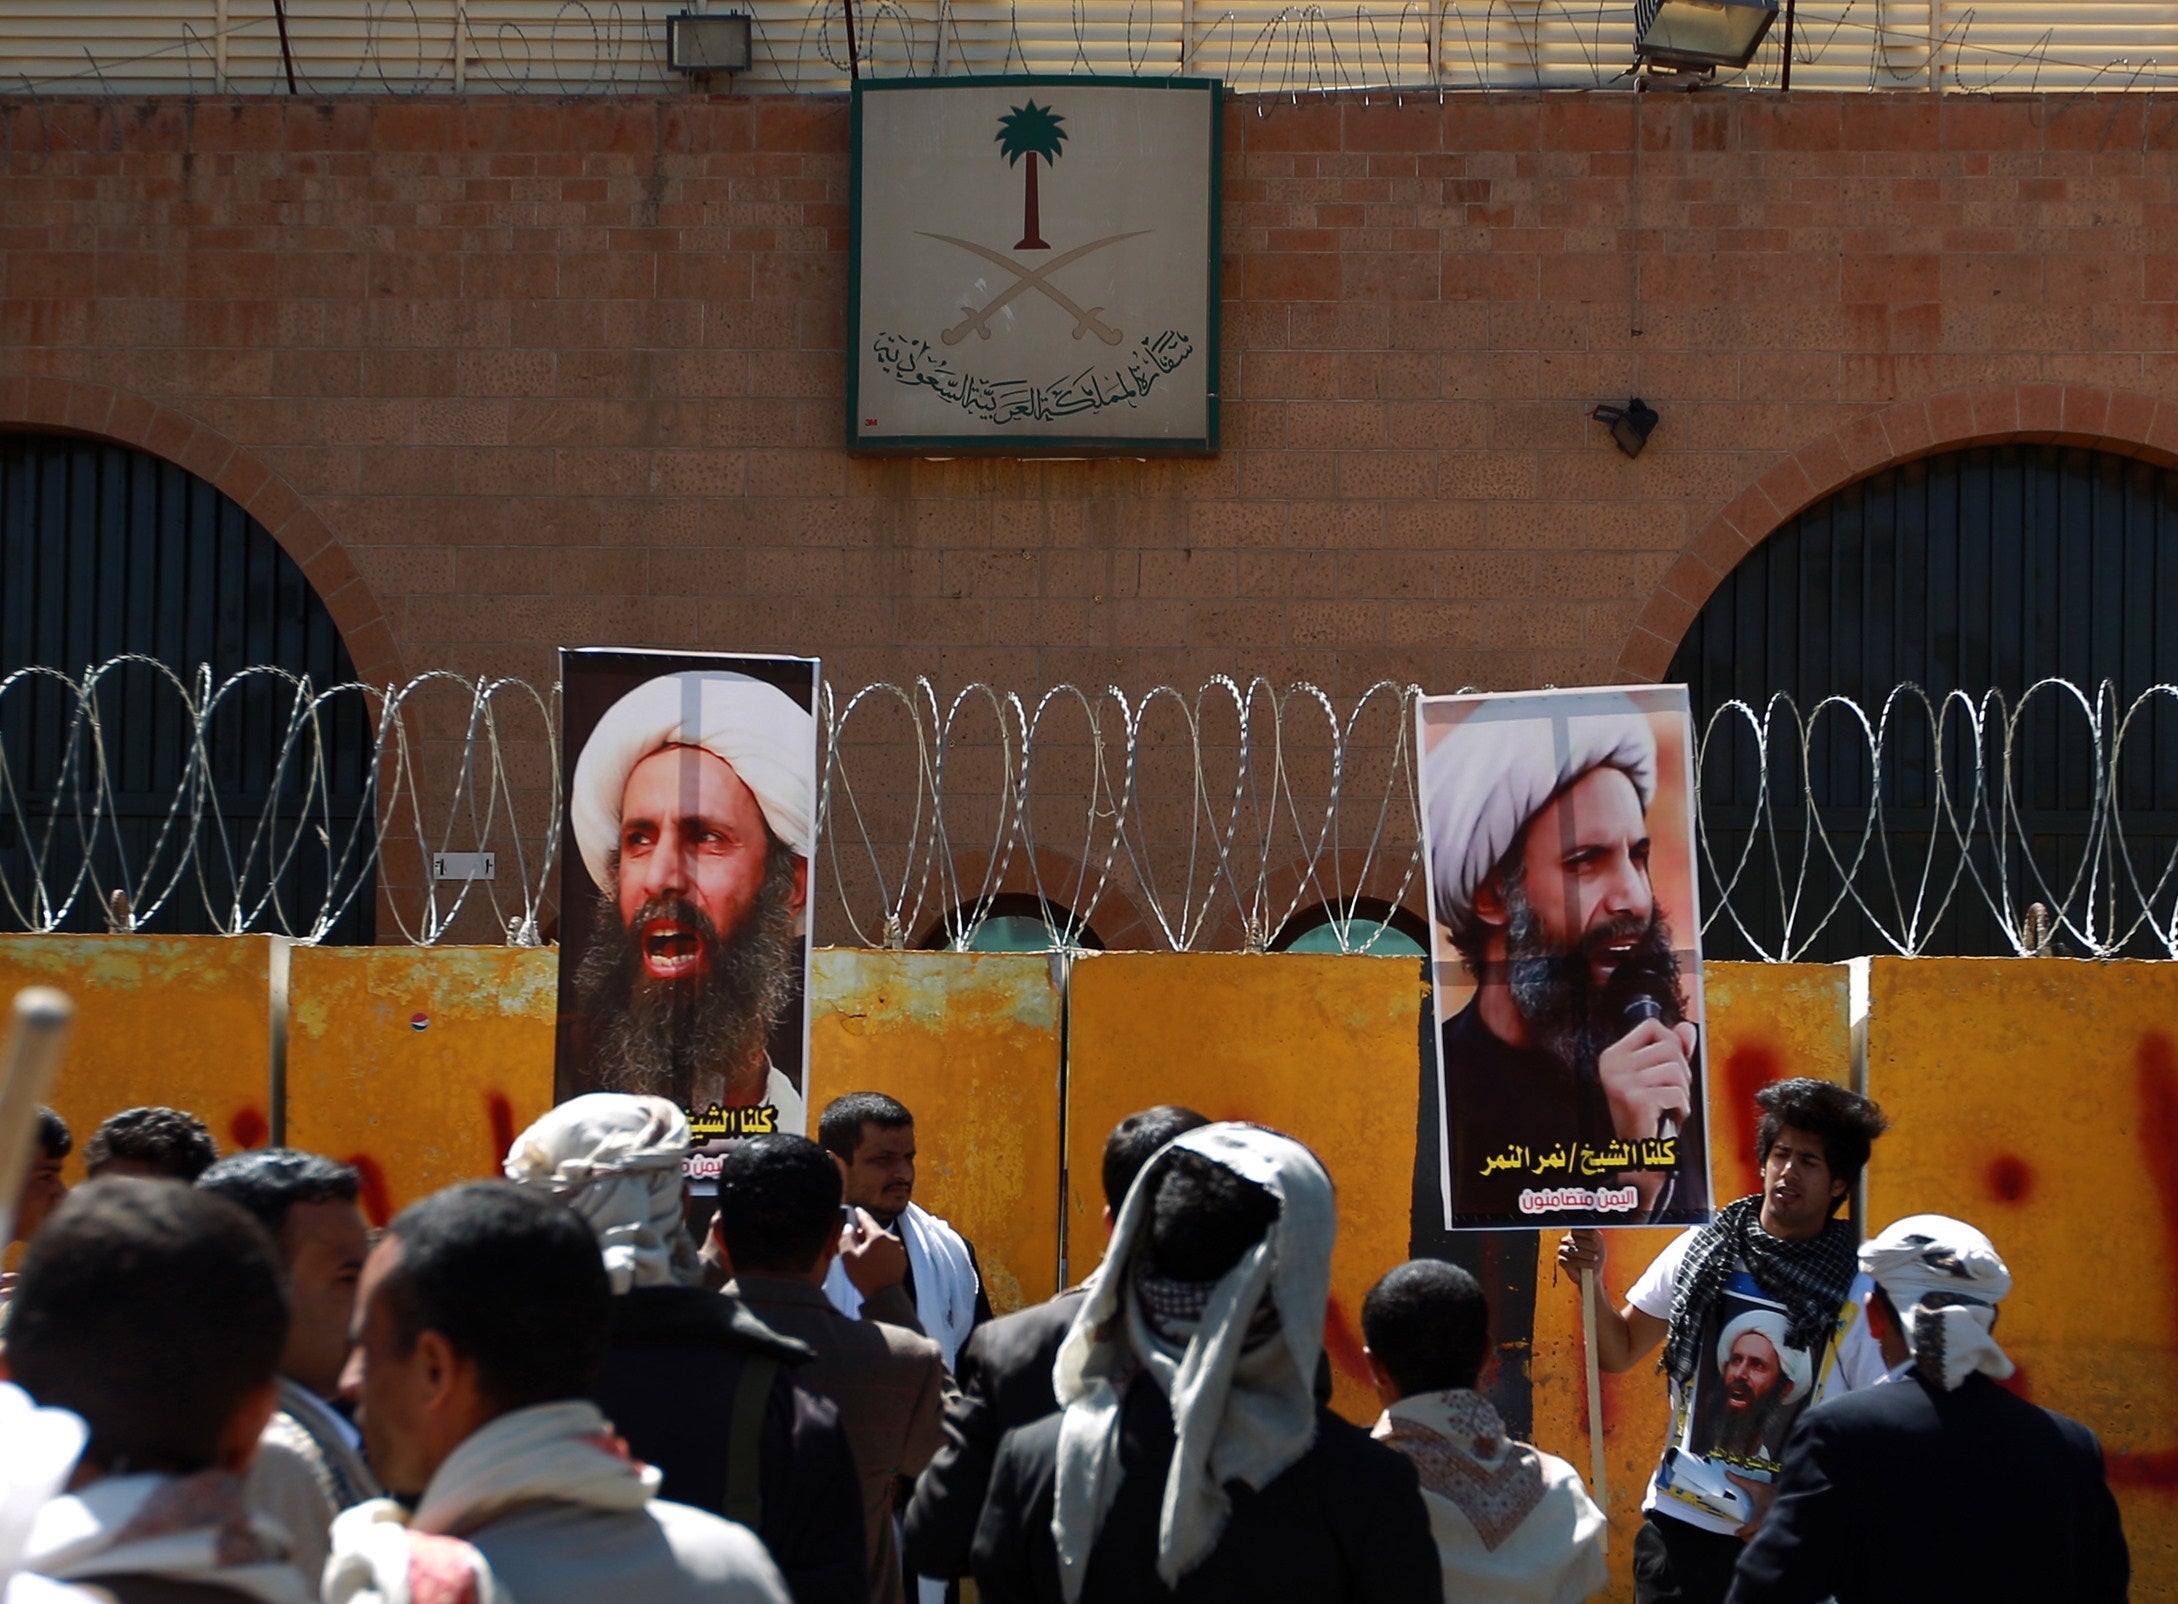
point(181, 1020)
point(970, 1043)
point(1321, 1046)
point(417, 1065)
point(1767, 1022)
point(2040, 1101)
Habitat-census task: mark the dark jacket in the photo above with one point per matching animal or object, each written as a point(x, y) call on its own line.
point(1344, 1523)
point(668, 1383)
point(1905, 1491)
point(891, 1387)
point(1004, 1375)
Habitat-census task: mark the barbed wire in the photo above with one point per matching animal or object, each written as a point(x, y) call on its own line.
point(606, 48)
point(1223, 818)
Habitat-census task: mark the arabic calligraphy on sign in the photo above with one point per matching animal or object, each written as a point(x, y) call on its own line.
point(1579, 1158)
point(1599, 1200)
point(715, 1122)
point(999, 401)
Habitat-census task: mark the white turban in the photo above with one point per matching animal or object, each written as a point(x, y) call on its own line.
point(1769, 1324)
point(1944, 1278)
point(1497, 769)
point(615, 1159)
point(767, 738)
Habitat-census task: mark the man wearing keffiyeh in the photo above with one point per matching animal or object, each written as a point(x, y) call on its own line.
point(1781, 1255)
point(1189, 1459)
point(1942, 1484)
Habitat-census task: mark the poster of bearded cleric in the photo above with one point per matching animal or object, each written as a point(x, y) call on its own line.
point(1558, 841)
point(684, 900)
point(1750, 1383)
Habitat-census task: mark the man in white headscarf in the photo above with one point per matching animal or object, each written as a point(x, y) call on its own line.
point(1576, 1039)
point(694, 1381)
point(1190, 1458)
point(1941, 1484)
point(693, 807)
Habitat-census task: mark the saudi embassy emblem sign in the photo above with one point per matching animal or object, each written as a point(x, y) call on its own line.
point(1035, 267)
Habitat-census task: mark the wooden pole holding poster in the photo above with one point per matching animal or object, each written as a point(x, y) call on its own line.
point(1601, 1491)
point(36, 1032)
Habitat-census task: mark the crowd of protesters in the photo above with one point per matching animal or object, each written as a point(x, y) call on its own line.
point(583, 1381)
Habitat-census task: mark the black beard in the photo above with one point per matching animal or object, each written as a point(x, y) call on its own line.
point(1742, 1431)
point(654, 1037)
point(1567, 1014)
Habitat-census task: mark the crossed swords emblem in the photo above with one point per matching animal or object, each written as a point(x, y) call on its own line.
point(1085, 319)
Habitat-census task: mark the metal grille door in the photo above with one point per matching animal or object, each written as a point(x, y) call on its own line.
point(107, 551)
point(1975, 571)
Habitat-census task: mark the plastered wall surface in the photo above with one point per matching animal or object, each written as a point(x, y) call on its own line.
point(1766, 1022)
point(181, 1020)
point(2040, 1101)
point(417, 1065)
point(1319, 1045)
point(970, 1043)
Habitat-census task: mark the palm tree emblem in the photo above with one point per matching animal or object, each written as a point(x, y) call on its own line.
point(1030, 131)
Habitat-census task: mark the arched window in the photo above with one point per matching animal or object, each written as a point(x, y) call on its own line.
point(106, 551)
point(1977, 570)
point(1013, 922)
point(1367, 925)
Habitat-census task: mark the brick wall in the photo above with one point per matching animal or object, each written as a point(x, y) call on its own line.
point(507, 373)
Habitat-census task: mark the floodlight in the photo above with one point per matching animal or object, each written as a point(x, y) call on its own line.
point(1630, 424)
point(1701, 35)
point(707, 41)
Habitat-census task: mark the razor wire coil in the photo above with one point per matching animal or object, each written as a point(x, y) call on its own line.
point(1215, 818)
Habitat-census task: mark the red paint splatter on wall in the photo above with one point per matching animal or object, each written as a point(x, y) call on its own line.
point(377, 1197)
point(499, 1118)
point(2010, 1178)
point(2158, 1083)
point(1747, 1069)
point(1343, 1343)
point(247, 1129)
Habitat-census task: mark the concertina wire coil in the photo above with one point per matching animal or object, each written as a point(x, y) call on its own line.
point(1218, 818)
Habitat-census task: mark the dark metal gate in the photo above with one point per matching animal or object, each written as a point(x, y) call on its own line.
point(1980, 570)
point(105, 552)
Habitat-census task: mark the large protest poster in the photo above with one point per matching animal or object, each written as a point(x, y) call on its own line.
point(1558, 842)
point(691, 814)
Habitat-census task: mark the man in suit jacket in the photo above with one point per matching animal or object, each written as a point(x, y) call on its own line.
point(1940, 1484)
point(779, 1224)
point(1004, 1374)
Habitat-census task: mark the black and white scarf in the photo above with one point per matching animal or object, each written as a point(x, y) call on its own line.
point(1812, 1279)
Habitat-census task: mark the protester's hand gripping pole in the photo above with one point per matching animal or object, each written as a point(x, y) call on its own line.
point(1602, 1493)
point(36, 1033)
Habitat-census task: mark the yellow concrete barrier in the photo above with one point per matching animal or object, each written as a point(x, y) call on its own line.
point(1321, 1046)
point(2039, 1100)
point(417, 1064)
point(970, 1043)
point(179, 1020)
point(1766, 1022)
